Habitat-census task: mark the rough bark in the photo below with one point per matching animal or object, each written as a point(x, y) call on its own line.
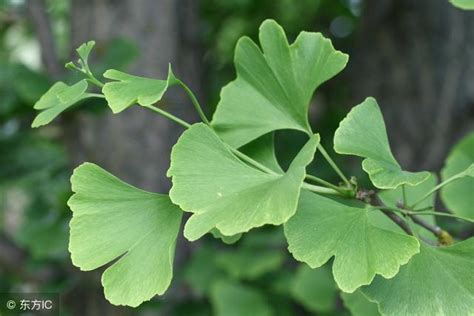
point(417, 58)
point(136, 144)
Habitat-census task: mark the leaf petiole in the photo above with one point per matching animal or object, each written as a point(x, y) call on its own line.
point(325, 183)
point(319, 189)
point(439, 186)
point(194, 101)
point(334, 166)
point(168, 115)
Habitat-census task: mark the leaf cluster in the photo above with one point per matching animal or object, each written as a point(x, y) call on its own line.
point(226, 175)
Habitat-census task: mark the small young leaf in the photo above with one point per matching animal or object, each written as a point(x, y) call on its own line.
point(323, 228)
point(128, 89)
point(437, 281)
point(113, 220)
point(58, 99)
point(315, 289)
point(84, 51)
point(457, 195)
point(362, 133)
point(232, 299)
point(359, 305)
point(225, 193)
point(274, 85)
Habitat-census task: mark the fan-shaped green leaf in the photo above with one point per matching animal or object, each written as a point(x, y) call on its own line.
point(274, 85)
point(359, 305)
point(233, 299)
point(315, 289)
point(458, 195)
point(323, 228)
point(128, 89)
point(225, 193)
point(58, 99)
point(362, 133)
point(437, 281)
point(113, 220)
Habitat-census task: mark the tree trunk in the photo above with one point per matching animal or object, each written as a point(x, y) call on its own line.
point(135, 144)
point(416, 57)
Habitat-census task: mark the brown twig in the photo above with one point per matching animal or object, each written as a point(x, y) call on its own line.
point(372, 198)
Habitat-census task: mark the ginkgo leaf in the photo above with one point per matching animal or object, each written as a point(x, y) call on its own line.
point(463, 4)
point(225, 193)
point(274, 85)
point(233, 299)
point(359, 305)
point(457, 195)
point(362, 133)
point(437, 281)
point(113, 220)
point(323, 228)
point(314, 288)
point(58, 99)
point(84, 51)
point(128, 89)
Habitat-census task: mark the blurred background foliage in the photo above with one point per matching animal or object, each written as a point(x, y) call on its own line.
point(37, 37)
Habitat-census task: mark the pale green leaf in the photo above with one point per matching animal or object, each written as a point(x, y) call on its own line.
point(323, 228)
point(128, 89)
point(225, 193)
point(58, 99)
point(437, 281)
point(274, 84)
point(248, 263)
point(463, 4)
point(362, 133)
point(359, 305)
point(314, 288)
point(232, 299)
point(458, 195)
point(113, 220)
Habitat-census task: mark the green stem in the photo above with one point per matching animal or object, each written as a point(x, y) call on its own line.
point(194, 101)
point(168, 115)
point(334, 166)
point(95, 95)
point(325, 183)
point(319, 189)
point(436, 188)
point(421, 213)
point(442, 214)
point(249, 160)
